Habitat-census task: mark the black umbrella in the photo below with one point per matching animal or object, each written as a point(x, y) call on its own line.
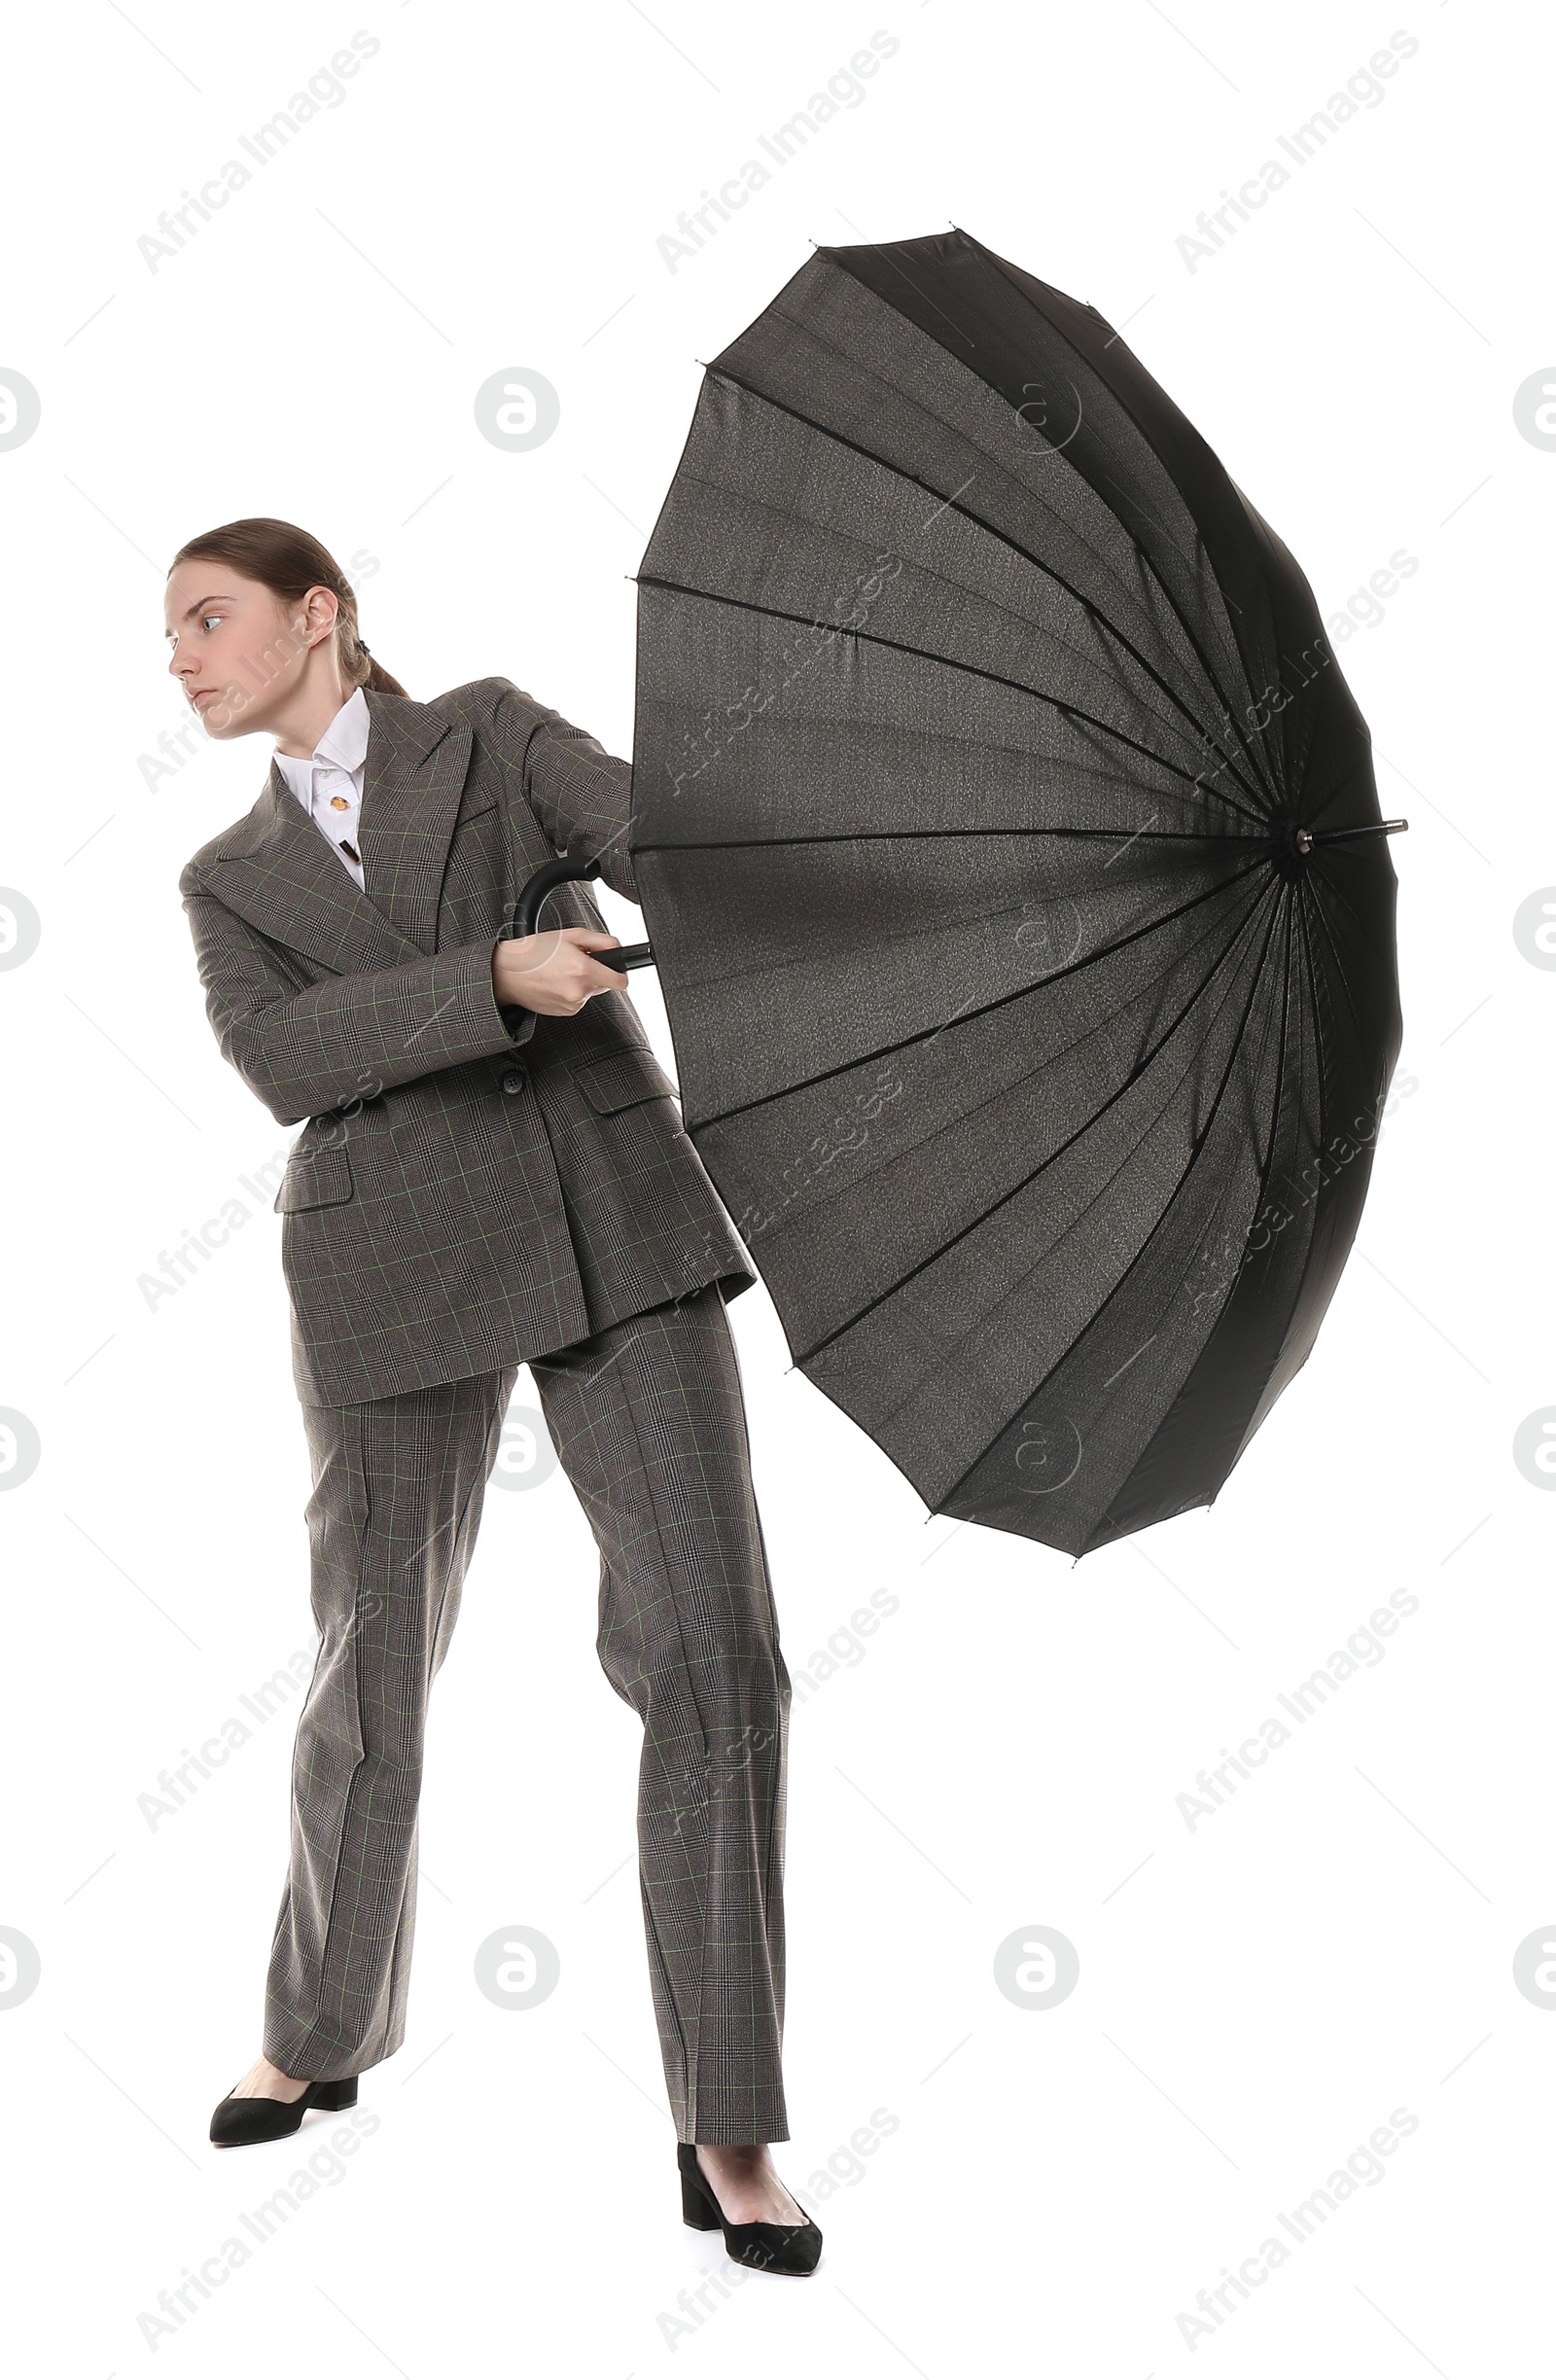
point(1009, 846)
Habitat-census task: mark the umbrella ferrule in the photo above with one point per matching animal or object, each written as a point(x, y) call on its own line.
point(1344, 835)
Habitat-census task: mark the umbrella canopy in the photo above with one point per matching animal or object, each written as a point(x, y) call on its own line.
point(1011, 850)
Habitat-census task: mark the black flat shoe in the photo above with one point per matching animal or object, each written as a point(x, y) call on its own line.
point(770, 2247)
point(237, 2122)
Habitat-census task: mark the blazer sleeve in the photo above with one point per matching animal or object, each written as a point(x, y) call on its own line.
point(333, 1043)
point(581, 797)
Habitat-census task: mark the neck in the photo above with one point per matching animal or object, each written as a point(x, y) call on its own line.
point(299, 726)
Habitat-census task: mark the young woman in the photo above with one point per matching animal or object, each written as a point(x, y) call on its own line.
point(491, 1172)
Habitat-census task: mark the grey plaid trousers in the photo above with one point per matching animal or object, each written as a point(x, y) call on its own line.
point(649, 1423)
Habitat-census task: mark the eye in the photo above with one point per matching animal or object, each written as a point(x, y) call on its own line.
point(208, 616)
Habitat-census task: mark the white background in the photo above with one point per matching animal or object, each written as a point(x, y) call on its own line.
point(1257, 1994)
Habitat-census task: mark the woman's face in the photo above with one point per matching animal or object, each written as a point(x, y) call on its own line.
point(238, 652)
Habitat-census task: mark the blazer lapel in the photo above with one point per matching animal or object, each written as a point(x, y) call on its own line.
point(281, 874)
point(277, 871)
point(418, 763)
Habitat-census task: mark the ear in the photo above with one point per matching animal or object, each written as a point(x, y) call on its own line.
point(321, 607)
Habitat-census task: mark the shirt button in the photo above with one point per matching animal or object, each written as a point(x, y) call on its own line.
point(339, 801)
point(514, 1080)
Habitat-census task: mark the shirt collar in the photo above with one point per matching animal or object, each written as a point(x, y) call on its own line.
point(344, 743)
point(345, 740)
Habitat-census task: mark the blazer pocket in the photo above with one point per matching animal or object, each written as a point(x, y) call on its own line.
point(621, 1079)
point(315, 1176)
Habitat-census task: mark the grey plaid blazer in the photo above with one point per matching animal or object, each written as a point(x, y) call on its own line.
point(476, 1185)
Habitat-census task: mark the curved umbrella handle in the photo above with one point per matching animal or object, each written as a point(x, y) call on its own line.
point(545, 881)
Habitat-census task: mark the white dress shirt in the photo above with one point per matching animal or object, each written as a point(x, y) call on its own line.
point(330, 785)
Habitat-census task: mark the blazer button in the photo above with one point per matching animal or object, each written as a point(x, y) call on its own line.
point(514, 1080)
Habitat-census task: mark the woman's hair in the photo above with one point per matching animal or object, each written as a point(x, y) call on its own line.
point(289, 561)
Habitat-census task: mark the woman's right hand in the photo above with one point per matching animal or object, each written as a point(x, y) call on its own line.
point(553, 973)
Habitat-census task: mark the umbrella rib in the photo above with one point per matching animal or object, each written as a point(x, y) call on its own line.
point(1129, 412)
point(1340, 901)
point(1145, 556)
point(1309, 900)
point(1139, 1256)
point(1279, 1084)
point(1333, 950)
point(1077, 1219)
point(1267, 1160)
point(1150, 563)
point(1151, 986)
point(744, 1107)
point(950, 504)
point(1363, 766)
point(767, 611)
point(1054, 1154)
point(1068, 1050)
point(1318, 1024)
